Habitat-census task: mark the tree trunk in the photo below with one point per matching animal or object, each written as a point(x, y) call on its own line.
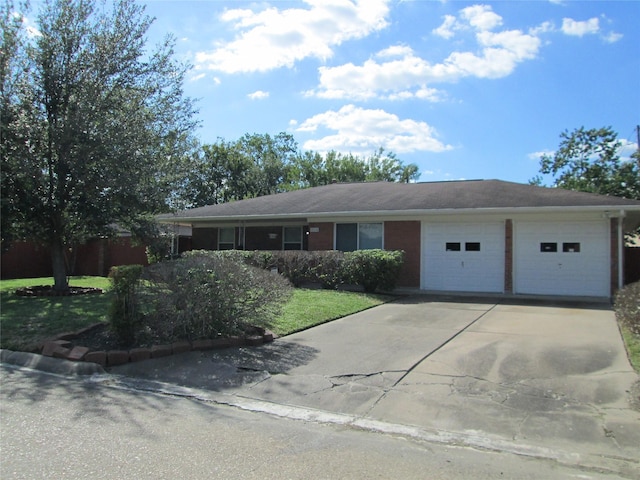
point(59, 266)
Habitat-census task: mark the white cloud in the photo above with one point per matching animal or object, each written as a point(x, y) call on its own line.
point(580, 28)
point(448, 27)
point(398, 73)
point(196, 77)
point(612, 37)
point(537, 155)
point(481, 17)
point(258, 95)
point(363, 131)
point(274, 38)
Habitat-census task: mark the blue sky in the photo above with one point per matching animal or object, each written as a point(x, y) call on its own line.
point(463, 89)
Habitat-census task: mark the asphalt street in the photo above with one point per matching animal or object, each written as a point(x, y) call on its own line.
point(75, 428)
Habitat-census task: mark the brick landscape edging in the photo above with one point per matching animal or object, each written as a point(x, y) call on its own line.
point(60, 346)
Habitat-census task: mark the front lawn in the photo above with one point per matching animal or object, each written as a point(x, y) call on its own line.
point(25, 321)
point(308, 308)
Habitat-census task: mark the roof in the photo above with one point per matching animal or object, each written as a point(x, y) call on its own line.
point(395, 198)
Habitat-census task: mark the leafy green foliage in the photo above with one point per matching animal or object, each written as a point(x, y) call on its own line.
point(206, 296)
point(95, 126)
point(589, 161)
point(125, 315)
point(627, 307)
point(373, 269)
point(257, 165)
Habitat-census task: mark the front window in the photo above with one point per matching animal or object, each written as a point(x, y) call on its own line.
point(358, 236)
point(226, 238)
point(292, 238)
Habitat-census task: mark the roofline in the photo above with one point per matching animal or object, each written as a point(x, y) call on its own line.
point(614, 212)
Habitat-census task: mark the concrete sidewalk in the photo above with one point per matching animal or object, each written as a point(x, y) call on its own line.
point(554, 379)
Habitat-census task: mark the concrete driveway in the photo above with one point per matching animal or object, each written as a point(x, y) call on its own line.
point(540, 376)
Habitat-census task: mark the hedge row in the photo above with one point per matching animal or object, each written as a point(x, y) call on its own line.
point(371, 269)
point(196, 297)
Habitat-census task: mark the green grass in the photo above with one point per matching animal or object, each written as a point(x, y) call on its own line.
point(25, 321)
point(308, 308)
point(632, 342)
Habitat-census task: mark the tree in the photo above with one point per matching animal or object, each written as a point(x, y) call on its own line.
point(589, 161)
point(96, 129)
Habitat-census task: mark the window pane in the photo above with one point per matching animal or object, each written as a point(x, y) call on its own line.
point(548, 247)
point(571, 247)
point(472, 246)
point(227, 235)
point(346, 237)
point(452, 246)
point(370, 235)
point(292, 235)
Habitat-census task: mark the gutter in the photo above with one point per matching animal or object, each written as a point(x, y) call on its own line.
point(302, 216)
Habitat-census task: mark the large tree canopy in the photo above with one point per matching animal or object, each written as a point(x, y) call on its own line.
point(589, 161)
point(95, 127)
point(260, 164)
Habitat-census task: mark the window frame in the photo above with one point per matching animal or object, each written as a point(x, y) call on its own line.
point(226, 243)
point(300, 243)
point(358, 242)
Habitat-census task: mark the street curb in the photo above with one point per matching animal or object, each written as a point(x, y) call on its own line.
point(58, 366)
point(627, 467)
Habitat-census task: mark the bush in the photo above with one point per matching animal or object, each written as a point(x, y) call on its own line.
point(373, 269)
point(206, 295)
point(627, 307)
point(124, 314)
point(328, 268)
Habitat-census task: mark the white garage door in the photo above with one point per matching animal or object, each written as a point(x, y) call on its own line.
point(562, 258)
point(465, 258)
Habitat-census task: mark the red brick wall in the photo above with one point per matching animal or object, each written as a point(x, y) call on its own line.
point(258, 238)
point(204, 239)
point(323, 238)
point(508, 256)
point(405, 235)
point(613, 229)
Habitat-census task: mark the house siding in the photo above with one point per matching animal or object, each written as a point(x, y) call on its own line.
point(405, 235)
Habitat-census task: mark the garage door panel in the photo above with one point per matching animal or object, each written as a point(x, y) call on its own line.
point(562, 258)
point(463, 257)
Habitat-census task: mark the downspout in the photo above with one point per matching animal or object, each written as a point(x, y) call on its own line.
point(621, 250)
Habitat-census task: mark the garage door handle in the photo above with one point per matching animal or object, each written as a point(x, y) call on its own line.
point(462, 263)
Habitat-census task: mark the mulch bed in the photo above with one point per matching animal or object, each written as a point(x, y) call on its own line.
point(49, 291)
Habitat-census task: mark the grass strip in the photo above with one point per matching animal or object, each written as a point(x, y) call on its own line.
point(308, 308)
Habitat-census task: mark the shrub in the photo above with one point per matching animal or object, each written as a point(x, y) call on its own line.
point(205, 295)
point(373, 269)
point(627, 307)
point(124, 314)
point(328, 269)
